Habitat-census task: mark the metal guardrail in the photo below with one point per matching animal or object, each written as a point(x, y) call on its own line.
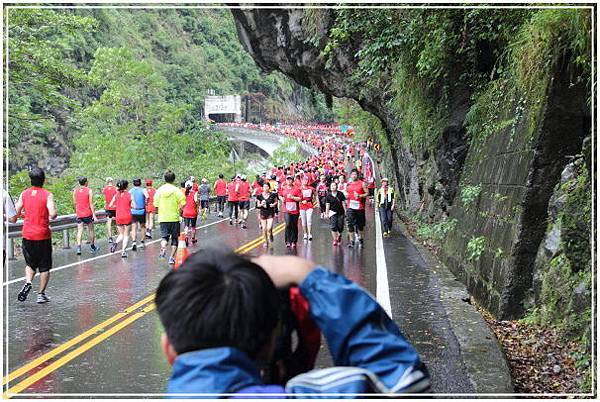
point(62, 223)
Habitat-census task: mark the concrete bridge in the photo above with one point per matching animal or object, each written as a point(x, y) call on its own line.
point(267, 143)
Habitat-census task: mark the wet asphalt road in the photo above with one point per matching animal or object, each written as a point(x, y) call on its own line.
point(130, 360)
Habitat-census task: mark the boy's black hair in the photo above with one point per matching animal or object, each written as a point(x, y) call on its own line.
point(354, 170)
point(169, 176)
point(137, 182)
point(37, 176)
point(218, 298)
point(220, 175)
point(82, 180)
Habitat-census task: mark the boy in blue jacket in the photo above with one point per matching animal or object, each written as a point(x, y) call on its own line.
point(221, 313)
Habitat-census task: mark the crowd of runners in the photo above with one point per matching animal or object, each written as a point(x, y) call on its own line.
point(338, 181)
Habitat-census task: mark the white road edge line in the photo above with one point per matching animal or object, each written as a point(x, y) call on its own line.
point(383, 288)
point(104, 255)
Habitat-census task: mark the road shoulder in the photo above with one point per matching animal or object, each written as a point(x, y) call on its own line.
point(481, 352)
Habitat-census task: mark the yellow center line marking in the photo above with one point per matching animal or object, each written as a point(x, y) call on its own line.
point(59, 349)
point(96, 340)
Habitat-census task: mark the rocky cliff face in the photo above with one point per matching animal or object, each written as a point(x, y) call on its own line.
point(516, 168)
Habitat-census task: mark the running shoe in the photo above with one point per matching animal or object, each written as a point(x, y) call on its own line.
point(194, 241)
point(231, 222)
point(288, 245)
point(351, 244)
point(42, 298)
point(310, 238)
point(334, 243)
point(22, 296)
point(78, 250)
point(134, 247)
point(305, 236)
point(142, 244)
point(113, 247)
point(293, 245)
point(94, 248)
point(148, 234)
point(244, 226)
point(172, 261)
point(361, 241)
point(124, 254)
point(162, 253)
point(110, 240)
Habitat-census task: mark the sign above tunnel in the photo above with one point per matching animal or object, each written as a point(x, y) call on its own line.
point(223, 108)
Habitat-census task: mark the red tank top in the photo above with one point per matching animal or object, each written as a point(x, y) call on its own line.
point(231, 194)
point(82, 202)
point(109, 192)
point(221, 188)
point(123, 204)
point(190, 209)
point(36, 225)
point(244, 191)
point(307, 195)
point(150, 204)
point(353, 201)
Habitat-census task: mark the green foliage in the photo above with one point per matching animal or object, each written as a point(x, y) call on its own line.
point(476, 247)
point(286, 153)
point(469, 194)
point(348, 111)
point(437, 231)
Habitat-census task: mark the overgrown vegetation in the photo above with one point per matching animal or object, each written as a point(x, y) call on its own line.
point(123, 82)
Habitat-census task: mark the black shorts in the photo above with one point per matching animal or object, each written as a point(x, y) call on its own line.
point(38, 254)
point(244, 204)
point(356, 219)
point(111, 213)
point(86, 220)
point(203, 204)
point(266, 215)
point(138, 218)
point(190, 222)
point(336, 223)
point(170, 229)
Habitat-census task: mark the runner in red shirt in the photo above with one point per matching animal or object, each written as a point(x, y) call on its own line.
point(244, 200)
point(190, 212)
point(122, 202)
point(220, 188)
point(232, 200)
point(290, 196)
point(109, 192)
point(357, 193)
point(150, 208)
point(39, 207)
point(86, 215)
point(306, 208)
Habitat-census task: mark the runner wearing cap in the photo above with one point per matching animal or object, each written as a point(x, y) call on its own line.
point(204, 197)
point(190, 212)
point(386, 203)
point(38, 204)
point(334, 210)
point(150, 208)
point(244, 200)
point(109, 192)
point(86, 215)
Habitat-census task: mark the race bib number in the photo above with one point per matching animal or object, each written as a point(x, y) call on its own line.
point(354, 204)
point(290, 206)
point(307, 193)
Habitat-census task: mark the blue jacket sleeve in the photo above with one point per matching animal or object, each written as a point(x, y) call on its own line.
point(360, 334)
